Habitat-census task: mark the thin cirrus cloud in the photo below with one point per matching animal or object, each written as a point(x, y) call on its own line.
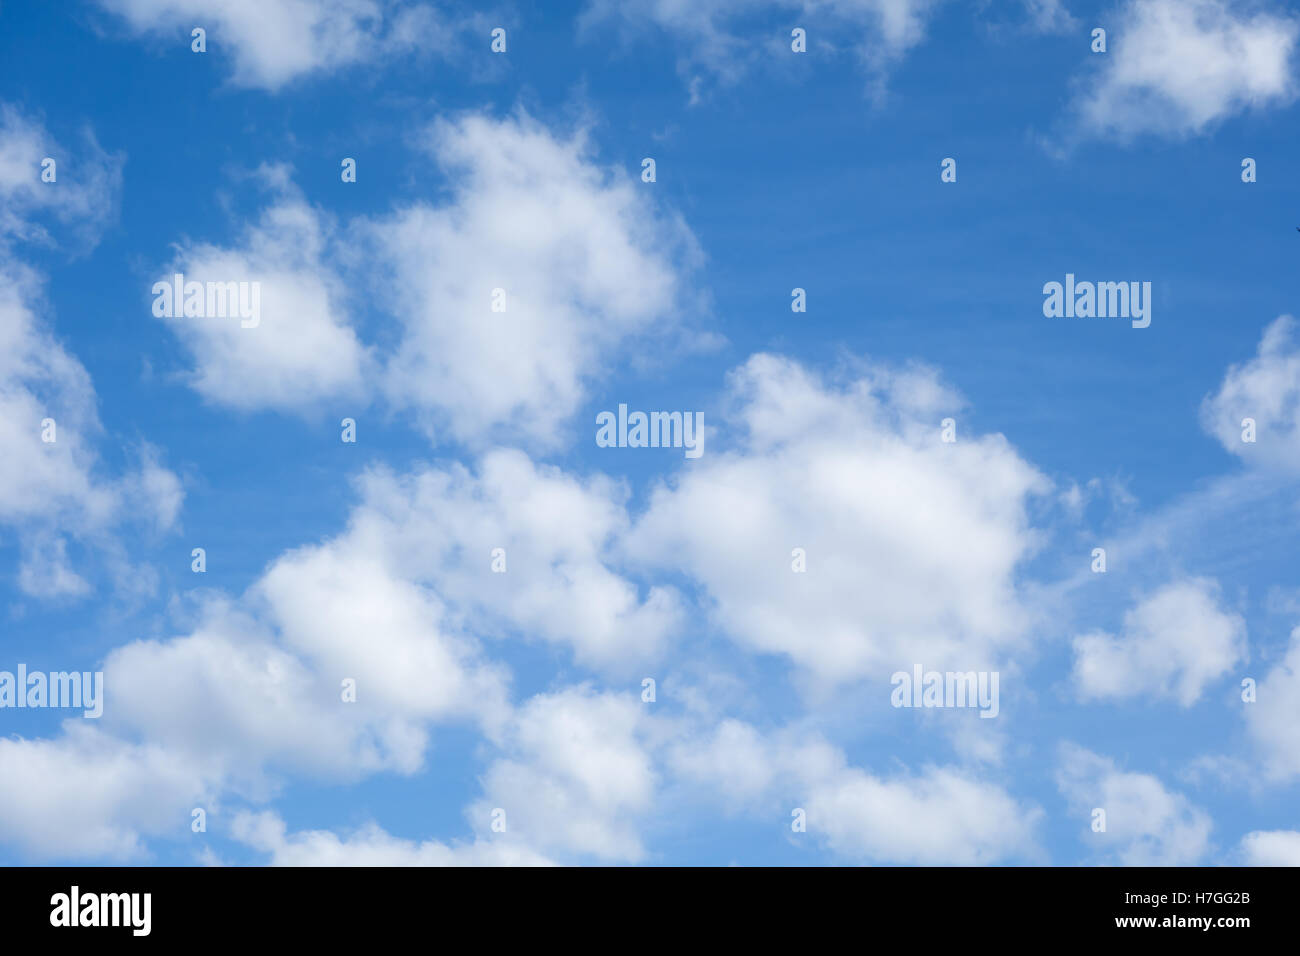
point(80, 199)
point(717, 41)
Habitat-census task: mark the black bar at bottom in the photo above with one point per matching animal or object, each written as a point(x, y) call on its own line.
point(616, 907)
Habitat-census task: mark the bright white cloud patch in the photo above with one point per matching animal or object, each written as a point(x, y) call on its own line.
point(1146, 825)
point(86, 795)
point(54, 488)
point(369, 846)
point(273, 42)
point(40, 478)
point(403, 603)
point(552, 536)
point(582, 260)
point(278, 335)
point(939, 815)
point(1174, 643)
point(1176, 67)
point(542, 271)
point(910, 543)
point(575, 777)
point(1271, 848)
point(1275, 716)
point(1266, 390)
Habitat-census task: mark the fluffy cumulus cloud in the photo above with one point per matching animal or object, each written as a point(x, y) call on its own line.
point(522, 549)
point(1271, 848)
point(1273, 718)
point(1174, 643)
point(1266, 390)
point(253, 693)
point(274, 42)
point(88, 795)
point(911, 544)
point(576, 777)
point(369, 846)
point(52, 480)
point(1176, 67)
point(935, 815)
point(1146, 824)
point(44, 478)
point(585, 264)
point(54, 488)
point(270, 328)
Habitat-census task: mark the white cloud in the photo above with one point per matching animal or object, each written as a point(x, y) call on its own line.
point(231, 710)
point(1271, 848)
point(413, 662)
point(721, 38)
point(911, 543)
point(1266, 389)
point(1174, 643)
point(86, 795)
point(301, 348)
point(1050, 16)
point(586, 262)
point(575, 776)
point(1146, 825)
point(84, 192)
point(592, 274)
point(56, 491)
point(41, 380)
point(401, 602)
point(937, 816)
point(1176, 67)
point(734, 758)
point(1273, 718)
point(274, 42)
point(440, 527)
point(369, 846)
point(45, 571)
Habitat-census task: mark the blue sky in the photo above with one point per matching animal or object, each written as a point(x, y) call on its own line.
point(521, 691)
